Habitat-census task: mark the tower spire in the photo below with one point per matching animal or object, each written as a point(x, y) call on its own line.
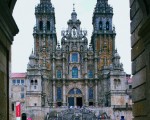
point(102, 0)
point(73, 7)
point(45, 1)
point(74, 14)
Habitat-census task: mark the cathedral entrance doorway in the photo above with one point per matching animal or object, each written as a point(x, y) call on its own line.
point(75, 98)
point(79, 101)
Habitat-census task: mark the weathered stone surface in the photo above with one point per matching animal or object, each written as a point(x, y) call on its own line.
point(139, 109)
point(138, 63)
point(134, 9)
point(136, 20)
point(139, 78)
point(135, 37)
point(139, 93)
point(137, 49)
point(141, 118)
point(131, 2)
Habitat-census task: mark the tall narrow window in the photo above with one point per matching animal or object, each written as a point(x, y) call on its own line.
point(31, 82)
point(67, 48)
point(100, 25)
point(13, 82)
point(48, 25)
point(58, 74)
point(22, 82)
point(75, 72)
point(18, 82)
point(41, 25)
point(90, 74)
point(81, 48)
point(59, 93)
point(12, 107)
point(22, 95)
point(36, 82)
point(74, 57)
point(107, 25)
point(91, 93)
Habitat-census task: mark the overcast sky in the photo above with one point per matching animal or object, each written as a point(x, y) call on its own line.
point(25, 19)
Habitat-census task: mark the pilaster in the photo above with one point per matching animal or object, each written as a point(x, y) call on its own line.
point(86, 94)
point(96, 97)
point(54, 94)
point(64, 93)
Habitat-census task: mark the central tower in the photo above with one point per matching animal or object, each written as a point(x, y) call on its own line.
point(103, 38)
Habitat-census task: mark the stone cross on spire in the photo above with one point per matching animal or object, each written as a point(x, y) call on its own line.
point(74, 14)
point(45, 1)
point(101, 0)
point(73, 7)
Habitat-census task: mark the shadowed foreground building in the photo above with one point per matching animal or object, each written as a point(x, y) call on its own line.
point(8, 29)
point(75, 74)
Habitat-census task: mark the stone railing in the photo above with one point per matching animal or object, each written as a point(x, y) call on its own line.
point(120, 107)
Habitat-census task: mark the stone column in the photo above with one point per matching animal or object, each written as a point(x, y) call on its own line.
point(86, 93)
point(95, 64)
point(63, 72)
point(35, 47)
point(85, 65)
point(54, 75)
point(96, 101)
point(54, 94)
point(64, 93)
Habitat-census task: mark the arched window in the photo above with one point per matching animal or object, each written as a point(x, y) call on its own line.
point(58, 74)
point(36, 82)
point(74, 32)
point(107, 25)
point(67, 48)
point(75, 72)
point(59, 93)
point(90, 74)
point(75, 91)
point(31, 82)
point(41, 25)
point(23, 116)
point(78, 91)
point(91, 95)
point(81, 48)
point(48, 25)
point(100, 25)
point(74, 57)
point(71, 92)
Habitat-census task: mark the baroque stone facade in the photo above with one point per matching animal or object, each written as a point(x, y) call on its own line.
point(75, 74)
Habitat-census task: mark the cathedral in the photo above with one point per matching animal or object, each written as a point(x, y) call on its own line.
point(75, 73)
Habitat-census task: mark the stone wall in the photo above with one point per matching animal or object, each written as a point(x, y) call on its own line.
point(8, 29)
point(140, 39)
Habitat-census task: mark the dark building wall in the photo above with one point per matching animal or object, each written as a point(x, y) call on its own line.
point(8, 29)
point(140, 43)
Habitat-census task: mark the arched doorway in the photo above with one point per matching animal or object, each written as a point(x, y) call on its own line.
point(75, 98)
point(24, 116)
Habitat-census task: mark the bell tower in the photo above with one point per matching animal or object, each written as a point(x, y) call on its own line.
point(103, 37)
point(39, 68)
point(44, 33)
